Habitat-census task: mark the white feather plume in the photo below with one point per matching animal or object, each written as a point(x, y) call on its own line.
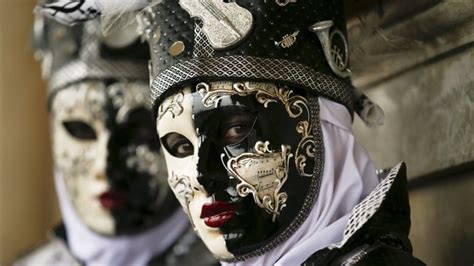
point(118, 14)
point(69, 12)
point(115, 14)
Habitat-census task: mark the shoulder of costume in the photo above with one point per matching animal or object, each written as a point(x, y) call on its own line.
point(385, 209)
point(378, 227)
point(53, 252)
point(378, 253)
point(188, 250)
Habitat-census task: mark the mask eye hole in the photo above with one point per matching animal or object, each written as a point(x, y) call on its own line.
point(80, 130)
point(236, 128)
point(177, 145)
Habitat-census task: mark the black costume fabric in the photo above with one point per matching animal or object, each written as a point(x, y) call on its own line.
point(383, 239)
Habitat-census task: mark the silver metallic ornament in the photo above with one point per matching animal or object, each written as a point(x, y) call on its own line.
point(288, 40)
point(224, 24)
point(284, 2)
point(337, 60)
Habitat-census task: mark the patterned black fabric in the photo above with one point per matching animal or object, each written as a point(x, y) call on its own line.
point(271, 23)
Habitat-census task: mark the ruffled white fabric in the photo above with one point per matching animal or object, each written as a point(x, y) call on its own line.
point(348, 177)
point(136, 250)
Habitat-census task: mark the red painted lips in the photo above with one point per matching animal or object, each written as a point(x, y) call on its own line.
point(112, 200)
point(218, 213)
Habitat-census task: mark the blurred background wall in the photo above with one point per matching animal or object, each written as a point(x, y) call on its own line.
point(27, 199)
point(415, 58)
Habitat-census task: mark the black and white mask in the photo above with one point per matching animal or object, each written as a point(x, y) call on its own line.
point(244, 160)
point(107, 151)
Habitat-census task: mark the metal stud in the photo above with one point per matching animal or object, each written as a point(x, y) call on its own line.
point(177, 48)
point(156, 36)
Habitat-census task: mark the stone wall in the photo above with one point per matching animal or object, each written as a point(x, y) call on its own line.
point(416, 59)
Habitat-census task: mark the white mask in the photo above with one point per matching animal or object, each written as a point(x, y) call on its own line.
point(241, 160)
point(106, 148)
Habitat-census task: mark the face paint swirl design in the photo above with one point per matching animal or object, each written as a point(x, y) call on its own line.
point(107, 150)
point(242, 157)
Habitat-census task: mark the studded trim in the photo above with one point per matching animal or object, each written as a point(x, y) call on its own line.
point(313, 191)
point(355, 258)
point(96, 69)
point(363, 211)
point(252, 68)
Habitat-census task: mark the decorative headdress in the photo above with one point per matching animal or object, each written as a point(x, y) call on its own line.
point(287, 41)
point(82, 52)
point(248, 40)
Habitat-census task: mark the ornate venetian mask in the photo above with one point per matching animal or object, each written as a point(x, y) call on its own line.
point(244, 160)
point(106, 148)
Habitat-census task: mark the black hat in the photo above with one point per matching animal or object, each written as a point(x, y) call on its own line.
point(82, 52)
point(301, 43)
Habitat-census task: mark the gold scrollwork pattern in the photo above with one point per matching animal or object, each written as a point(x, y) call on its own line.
point(174, 105)
point(262, 174)
point(181, 186)
point(306, 147)
point(266, 93)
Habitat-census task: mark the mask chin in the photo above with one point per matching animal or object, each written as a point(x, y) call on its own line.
point(256, 147)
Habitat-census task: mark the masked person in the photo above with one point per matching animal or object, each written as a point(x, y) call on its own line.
point(110, 177)
point(254, 106)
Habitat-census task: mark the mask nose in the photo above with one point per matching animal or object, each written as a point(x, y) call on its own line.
point(100, 176)
point(100, 164)
point(212, 174)
point(118, 151)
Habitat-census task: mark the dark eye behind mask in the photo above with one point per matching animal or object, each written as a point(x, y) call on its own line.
point(236, 126)
point(177, 145)
point(80, 130)
point(226, 125)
